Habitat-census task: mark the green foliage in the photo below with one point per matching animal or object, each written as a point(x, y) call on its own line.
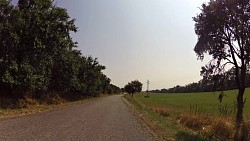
point(133, 87)
point(223, 32)
point(113, 89)
point(37, 53)
point(129, 88)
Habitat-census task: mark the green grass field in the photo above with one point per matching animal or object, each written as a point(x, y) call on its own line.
point(205, 103)
point(192, 116)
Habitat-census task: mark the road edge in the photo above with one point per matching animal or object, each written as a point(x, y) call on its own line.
point(141, 120)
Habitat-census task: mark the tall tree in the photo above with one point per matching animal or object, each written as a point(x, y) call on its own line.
point(223, 29)
point(8, 40)
point(34, 34)
point(38, 55)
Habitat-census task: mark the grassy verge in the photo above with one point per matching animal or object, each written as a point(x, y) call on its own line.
point(165, 125)
point(202, 113)
point(33, 107)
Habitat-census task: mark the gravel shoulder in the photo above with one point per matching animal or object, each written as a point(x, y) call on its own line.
point(104, 119)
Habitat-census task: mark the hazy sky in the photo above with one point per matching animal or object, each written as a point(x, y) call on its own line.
point(139, 39)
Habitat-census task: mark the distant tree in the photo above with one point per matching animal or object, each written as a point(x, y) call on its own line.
point(129, 88)
point(133, 87)
point(105, 85)
point(113, 89)
point(137, 85)
point(223, 29)
point(122, 90)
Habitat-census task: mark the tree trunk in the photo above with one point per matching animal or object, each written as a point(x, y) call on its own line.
point(239, 132)
point(240, 106)
point(239, 116)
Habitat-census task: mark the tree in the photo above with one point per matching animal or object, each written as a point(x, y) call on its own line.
point(129, 89)
point(113, 89)
point(133, 87)
point(8, 42)
point(38, 55)
point(65, 72)
point(33, 34)
point(223, 28)
point(93, 74)
point(122, 90)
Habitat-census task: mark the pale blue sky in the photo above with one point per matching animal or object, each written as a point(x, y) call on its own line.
point(139, 39)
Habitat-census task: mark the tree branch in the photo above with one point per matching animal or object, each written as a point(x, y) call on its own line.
point(227, 41)
point(223, 66)
point(229, 61)
point(233, 56)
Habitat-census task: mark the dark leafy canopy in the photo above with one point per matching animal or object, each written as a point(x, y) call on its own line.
point(36, 34)
point(223, 29)
point(129, 88)
point(223, 32)
point(113, 89)
point(37, 53)
point(133, 87)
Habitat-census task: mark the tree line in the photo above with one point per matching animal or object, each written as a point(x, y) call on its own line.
point(38, 55)
point(225, 81)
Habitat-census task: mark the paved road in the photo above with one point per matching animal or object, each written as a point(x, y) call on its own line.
point(104, 119)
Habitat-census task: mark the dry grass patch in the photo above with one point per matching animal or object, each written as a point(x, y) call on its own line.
point(220, 128)
point(26, 106)
point(161, 111)
point(195, 122)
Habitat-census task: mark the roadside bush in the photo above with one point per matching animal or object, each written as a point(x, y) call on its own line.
point(7, 103)
point(51, 98)
point(26, 102)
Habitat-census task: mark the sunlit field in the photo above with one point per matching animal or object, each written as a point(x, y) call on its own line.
point(197, 103)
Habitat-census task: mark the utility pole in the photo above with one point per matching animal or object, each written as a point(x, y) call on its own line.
point(147, 87)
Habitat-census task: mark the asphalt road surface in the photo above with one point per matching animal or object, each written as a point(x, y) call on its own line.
point(104, 119)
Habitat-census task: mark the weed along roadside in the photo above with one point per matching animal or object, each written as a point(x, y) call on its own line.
point(31, 106)
point(189, 116)
point(161, 121)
